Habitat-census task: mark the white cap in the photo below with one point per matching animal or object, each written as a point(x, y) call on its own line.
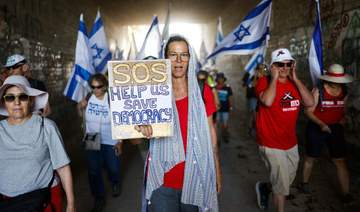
point(14, 59)
point(280, 55)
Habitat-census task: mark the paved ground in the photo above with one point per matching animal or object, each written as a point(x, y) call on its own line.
point(241, 169)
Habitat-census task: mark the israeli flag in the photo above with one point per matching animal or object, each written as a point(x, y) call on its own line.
point(218, 39)
point(256, 58)
point(118, 54)
point(152, 43)
point(315, 54)
point(165, 32)
point(84, 67)
point(99, 46)
point(250, 35)
point(133, 49)
point(219, 35)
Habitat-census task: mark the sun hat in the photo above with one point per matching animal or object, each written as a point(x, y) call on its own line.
point(336, 74)
point(41, 97)
point(14, 59)
point(220, 75)
point(280, 55)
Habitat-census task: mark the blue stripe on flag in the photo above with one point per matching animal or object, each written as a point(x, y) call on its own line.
point(259, 9)
point(72, 87)
point(245, 46)
point(317, 38)
point(81, 72)
point(82, 28)
point(103, 63)
point(153, 24)
point(97, 25)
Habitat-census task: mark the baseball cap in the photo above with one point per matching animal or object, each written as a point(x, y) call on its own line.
point(280, 55)
point(14, 59)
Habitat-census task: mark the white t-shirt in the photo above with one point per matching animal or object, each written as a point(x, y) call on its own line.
point(98, 112)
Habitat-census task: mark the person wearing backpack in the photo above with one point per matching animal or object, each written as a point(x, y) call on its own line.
point(327, 118)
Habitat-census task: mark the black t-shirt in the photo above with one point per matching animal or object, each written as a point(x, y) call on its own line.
point(37, 84)
point(224, 94)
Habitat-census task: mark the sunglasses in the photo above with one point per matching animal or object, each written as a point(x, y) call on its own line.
point(96, 87)
point(16, 66)
point(22, 97)
point(289, 64)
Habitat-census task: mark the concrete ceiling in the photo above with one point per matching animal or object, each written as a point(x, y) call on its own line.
point(140, 12)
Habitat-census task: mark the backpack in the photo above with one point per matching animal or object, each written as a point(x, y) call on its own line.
point(321, 88)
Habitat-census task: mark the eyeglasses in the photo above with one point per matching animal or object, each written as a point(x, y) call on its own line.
point(96, 87)
point(174, 56)
point(289, 64)
point(22, 97)
point(16, 66)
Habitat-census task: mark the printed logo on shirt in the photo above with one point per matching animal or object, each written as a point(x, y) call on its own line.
point(329, 104)
point(97, 109)
point(289, 103)
point(288, 96)
point(223, 95)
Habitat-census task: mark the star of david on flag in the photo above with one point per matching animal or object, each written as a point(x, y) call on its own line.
point(84, 67)
point(241, 33)
point(315, 54)
point(99, 46)
point(251, 34)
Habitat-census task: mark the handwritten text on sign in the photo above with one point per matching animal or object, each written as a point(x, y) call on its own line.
point(140, 94)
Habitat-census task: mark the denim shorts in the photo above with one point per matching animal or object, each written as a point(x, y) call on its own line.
point(222, 116)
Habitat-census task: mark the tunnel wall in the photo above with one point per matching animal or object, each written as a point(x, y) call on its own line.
point(45, 33)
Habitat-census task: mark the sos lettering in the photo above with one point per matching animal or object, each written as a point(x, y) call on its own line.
point(139, 73)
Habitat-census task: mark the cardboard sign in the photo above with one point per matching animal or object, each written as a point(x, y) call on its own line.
point(140, 94)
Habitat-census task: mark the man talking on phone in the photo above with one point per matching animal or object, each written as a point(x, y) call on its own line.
point(279, 96)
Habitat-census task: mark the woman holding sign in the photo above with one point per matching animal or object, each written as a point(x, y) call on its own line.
point(97, 117)
point(183, 171)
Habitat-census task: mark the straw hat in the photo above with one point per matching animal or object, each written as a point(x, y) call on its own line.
point(336, 74)
point(41, 97)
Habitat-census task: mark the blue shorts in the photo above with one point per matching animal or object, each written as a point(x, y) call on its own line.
point(315, 139)
point(253, 104)
point(222, 116)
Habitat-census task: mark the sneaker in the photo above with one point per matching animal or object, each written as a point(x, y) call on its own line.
point(262, 195)
point(99, 204)
point(348, 200)
point(304, 188)
point(115, 190)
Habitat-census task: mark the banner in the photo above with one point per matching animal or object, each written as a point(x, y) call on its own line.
point(140, 94)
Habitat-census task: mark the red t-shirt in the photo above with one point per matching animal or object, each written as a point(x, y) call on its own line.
point(175, 177)
point(275, 125)
point(332, 109)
